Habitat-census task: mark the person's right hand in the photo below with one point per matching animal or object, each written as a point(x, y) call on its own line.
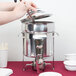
point(22, 7)
point(30, 6)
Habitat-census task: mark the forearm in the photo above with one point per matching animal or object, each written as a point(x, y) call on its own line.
point(7, 6)
point(6, 17)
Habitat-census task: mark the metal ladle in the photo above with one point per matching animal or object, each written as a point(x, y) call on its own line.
point(30, 16)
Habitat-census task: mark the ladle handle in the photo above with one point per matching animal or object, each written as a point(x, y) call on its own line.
point(30, 16)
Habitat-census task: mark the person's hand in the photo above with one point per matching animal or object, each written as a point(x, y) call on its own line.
point(22, 7)
point(30, 6)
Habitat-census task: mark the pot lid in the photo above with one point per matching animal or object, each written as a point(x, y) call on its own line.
point(36, 16)
point(41, 16)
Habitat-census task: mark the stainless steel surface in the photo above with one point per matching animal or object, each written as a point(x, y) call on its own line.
point(38, 40)
point(53, 50)
point(35, 33)
point(33, 12)
point(32, 16)
point(39, 14)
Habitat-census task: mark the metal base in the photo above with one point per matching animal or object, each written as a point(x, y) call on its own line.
point(36, 67)
point(36, 64)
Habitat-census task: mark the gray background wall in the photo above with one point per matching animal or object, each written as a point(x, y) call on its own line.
point(64, 16)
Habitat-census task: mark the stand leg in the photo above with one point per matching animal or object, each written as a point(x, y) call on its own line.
point(23, 64)
point(23, 56)
point(53, 51)
point(37, 66)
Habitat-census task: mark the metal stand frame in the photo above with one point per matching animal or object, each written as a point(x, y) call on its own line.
point(53, 67)
point(53, 50)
